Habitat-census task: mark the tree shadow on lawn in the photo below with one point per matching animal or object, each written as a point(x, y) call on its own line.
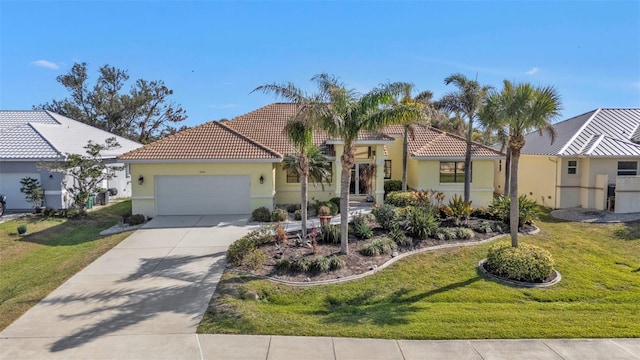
point(105, 312)
point(630, 231)
point(392, 309)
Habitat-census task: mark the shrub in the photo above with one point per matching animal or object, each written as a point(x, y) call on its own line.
point(336, 201)
point(458, 209)
point(385, 215)
point(333, 208)
point(392, 185)
point(361, 219)
point(336, 263)
point(281, 234)
point(420, 223)
point(239, 249)
point(261, 214)
point(297, 215)
point(49, 212)
point(72, 213)
point(320, 264)
point(255, 259)
point(293, 208)
point(528, 210)
point(330, 234)
point(527, 263)
point(136, 219)
point(446, 233)
point(362, 230)
point(300, 265)
point(279, 215)
point(399, 199)
point(379, 246)
point(483, 227)
point(260, 236)
point(324, 210)
point(465, 233)
point(283, 264)
point(400, 237)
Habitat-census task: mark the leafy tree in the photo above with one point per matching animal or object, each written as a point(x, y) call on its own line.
point(87, 171)
point(520, 108)
point(342, 113)
point(467, 100)
point(33, 191)
point(144, 114)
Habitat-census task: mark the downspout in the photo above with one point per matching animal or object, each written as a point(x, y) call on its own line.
point(555, 187)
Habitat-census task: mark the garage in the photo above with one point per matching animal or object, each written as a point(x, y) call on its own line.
point(10, 186)
point(203, 195)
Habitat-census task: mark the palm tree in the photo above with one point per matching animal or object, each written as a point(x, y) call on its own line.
point(468, 100)
point(422, 100)
point(520, 108)
point(317, 163)
point(344, 114)
point(300, 132)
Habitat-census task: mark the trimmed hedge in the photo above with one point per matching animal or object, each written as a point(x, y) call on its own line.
point(261, 214)
point(527, 263)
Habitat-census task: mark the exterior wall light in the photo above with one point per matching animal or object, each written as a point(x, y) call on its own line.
point(261, 179)
point(141, 180)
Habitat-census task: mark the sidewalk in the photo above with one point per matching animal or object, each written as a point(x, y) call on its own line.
point(245, 347)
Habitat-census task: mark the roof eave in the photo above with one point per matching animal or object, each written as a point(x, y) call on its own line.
point(160, 161)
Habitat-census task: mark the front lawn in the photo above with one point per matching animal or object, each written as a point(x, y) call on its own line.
point(52, 250)
point(440, 295)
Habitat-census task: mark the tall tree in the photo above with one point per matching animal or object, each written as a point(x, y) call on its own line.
point(299, 129)
point(467, 100)
point(343, 113)
point(144, 114)
point(520, 108)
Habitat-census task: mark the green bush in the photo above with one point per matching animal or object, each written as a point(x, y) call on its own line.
point(400, 237)
point(239, 249)
point(528, 210)
point(293, 207)
point(465, 233)
point(379, 246)
point(330, 234)
point(263, 235)
point(399, 199)
point(458, 209)
point(385, 215)
point(446, 233)
point(300, 265)
point(527, 263)
point(483, 227)
point(49, 212)
point(392, 185)
point(335, 209)
point(261, 214)
point(361, 219)
point(297, 215)
point(336, 263)
point(320, 264)
point(420, 223)
point(283, 264)
point(279, 215)
point(136, 219)
point(336, 200)
point(363, 230)
point(255, 259)
point(72, 213)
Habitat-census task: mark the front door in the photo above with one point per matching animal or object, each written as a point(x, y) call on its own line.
point(361, 179)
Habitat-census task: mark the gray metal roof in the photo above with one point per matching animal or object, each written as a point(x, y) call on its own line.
point(602, 132)
point(37, 134)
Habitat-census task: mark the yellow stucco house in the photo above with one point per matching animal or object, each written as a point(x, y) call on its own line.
point(593, 163)
point(235, 166)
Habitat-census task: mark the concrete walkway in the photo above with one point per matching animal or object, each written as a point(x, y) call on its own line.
point(145, 298)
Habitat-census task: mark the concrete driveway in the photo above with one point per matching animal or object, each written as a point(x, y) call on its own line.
point(157, 281)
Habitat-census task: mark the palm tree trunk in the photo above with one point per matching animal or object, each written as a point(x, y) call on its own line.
point(303, 205)
point(405, 152)
point(467, 162)
point(514, 215)
point(347, 163)
point(507, 172)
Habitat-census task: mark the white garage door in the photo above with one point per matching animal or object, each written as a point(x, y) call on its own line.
point(10, 186)
point(203, 195)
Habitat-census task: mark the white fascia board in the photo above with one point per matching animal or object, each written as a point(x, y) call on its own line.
point(457, 158)
point(174, 161)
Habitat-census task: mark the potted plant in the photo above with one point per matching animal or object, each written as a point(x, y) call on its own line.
point(324, 214)
point(22, 229)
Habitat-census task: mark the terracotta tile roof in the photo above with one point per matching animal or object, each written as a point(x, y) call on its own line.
point(259, 135)
point(212, 140)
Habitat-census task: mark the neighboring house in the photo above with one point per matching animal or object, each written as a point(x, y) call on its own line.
point(593, 163)
point(31, 138)
point(234, 167)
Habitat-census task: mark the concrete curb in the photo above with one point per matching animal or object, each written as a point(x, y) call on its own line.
point(386, 264)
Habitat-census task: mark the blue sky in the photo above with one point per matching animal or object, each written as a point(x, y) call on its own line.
point(212, 54)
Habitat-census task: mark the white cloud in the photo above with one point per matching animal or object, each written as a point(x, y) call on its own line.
point(534, 70)
point(45, 64)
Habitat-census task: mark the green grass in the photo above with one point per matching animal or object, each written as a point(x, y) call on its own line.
point(52, 250)
point(440, 295)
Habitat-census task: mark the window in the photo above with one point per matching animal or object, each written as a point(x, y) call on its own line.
point(292, 176)
point(500, 165)
point(627, 168)
point(453, 172)
point(572, 167)
point(387, 169)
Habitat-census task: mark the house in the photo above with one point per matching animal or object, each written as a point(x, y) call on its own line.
point(30, 138)
point(235, 166)
point(593, 163)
